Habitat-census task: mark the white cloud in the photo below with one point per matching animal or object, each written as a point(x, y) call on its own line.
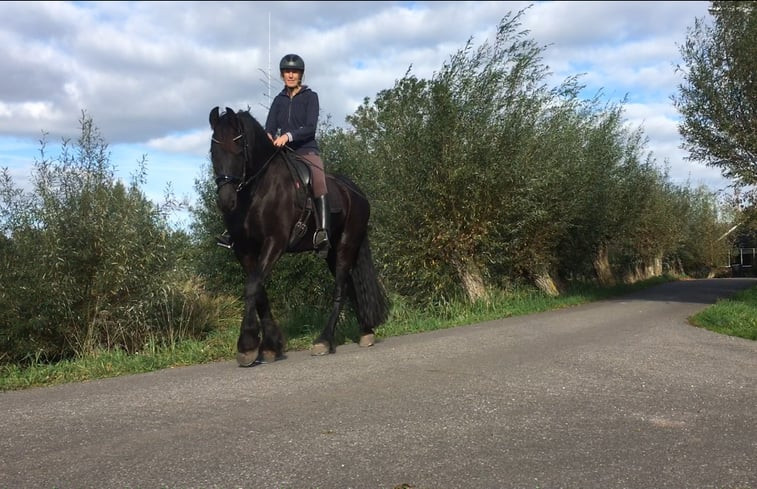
point(149, 72)
point(195, 142)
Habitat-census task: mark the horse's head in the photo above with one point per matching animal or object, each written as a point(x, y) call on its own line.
point(229, 154)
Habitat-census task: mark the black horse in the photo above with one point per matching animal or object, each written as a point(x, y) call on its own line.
point(267, 212)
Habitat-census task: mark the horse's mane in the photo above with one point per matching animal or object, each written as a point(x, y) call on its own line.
point(249, 120)
point(251, 125)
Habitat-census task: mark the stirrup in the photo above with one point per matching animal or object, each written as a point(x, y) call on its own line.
point(224, 241)
point(321, 243)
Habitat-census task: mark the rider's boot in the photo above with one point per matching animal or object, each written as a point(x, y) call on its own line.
point(323, 223)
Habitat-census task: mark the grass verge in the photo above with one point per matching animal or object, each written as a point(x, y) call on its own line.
point(735, 316)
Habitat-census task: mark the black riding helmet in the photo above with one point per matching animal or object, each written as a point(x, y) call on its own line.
point(292, 62)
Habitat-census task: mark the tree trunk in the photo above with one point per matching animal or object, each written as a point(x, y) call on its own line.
point(547, 282)
point(602, 267)
point(644, 270)
point(471, 277)
point(677, 267)
point(655, 268)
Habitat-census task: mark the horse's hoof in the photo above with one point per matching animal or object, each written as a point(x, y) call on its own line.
point(319, 349)
point(367, 340)
point(246, 359)
point(267, 356)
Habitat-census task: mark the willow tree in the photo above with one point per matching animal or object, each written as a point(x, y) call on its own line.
point(451, 166)
point(718, 98)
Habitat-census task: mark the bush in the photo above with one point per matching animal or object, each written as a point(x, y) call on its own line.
point(89, 263)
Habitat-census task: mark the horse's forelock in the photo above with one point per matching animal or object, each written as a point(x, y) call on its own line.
point(226, 132)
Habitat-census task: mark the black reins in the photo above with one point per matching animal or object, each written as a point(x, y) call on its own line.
point(244, 182)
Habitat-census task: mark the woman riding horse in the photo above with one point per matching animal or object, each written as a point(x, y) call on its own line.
point(292, 121)
point(294, 117)
point(263, 207)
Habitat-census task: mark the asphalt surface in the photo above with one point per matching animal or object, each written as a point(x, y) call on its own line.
point(615, 394)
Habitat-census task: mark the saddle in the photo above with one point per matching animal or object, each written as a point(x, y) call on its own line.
point(301, 175)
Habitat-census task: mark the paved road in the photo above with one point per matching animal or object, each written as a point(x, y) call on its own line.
point(616, 394)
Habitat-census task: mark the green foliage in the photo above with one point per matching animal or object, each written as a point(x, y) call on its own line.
point(718, 99)
point(735, 316)
point(155, 354)
point(483, 180)
point(217, 265)
point(702, 247)
point(89, 263)
point(486, 176)
point(407, 318)
point(593, 189)
point(445, 172)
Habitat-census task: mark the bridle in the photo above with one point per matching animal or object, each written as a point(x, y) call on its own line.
point(242, 181)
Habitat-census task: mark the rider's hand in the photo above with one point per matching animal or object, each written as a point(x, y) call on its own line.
point(281, 140)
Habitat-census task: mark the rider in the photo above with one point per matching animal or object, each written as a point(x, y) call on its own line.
point(292, 121)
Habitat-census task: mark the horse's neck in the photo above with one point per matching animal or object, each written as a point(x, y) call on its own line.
point(263, 149)
point(266, 149)
point(261, 158)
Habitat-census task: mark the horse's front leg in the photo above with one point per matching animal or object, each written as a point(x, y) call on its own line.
point(249, 333)
point(257, 306)
point(249, 347)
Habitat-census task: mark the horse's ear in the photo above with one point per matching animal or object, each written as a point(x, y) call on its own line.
point(213, 117)
point(229, 111)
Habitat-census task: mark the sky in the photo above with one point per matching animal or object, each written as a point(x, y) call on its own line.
point(148, 73)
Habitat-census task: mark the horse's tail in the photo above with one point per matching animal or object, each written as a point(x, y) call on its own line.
point(369, 297)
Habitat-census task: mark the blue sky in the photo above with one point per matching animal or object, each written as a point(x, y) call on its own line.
point(149, 72)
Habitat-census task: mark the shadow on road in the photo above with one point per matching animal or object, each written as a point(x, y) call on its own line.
point(701, 291)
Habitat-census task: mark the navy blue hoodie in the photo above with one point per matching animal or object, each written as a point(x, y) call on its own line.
point(297, 116)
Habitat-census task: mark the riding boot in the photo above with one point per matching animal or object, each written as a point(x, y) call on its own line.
point(323, 223)
point(224, 240)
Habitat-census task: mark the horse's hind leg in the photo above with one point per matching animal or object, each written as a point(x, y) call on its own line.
point(367, 335)
point(325, 342)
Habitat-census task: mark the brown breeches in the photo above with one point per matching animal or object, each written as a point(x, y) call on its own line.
point(317, 172)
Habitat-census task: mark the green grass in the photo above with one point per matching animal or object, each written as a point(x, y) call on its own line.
point(406, 319)
point(735, 316)
point(117, 362)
